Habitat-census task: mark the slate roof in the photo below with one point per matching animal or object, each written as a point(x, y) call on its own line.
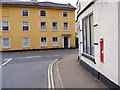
point(40, 4)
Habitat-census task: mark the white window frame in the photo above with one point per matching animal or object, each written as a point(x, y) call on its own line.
point(24, 42)
point(67, 13)
point(88, 35)
point(64, 28)
point(22, 13)
point(45, 12)
point(8, 26)
point(43, 44)
point(28, 26)
point(54, 43)
point(8, 42)
point(45, 27)
point(52, 26)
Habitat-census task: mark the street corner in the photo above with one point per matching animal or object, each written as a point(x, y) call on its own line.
point(59, 68)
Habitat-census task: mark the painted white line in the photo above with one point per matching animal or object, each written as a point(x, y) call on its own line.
point(56, 55)
point(6, 62)
point(52, 82)
point(37, 56)
point(49, 85)
point(28, 57)
point(33, 57)
point(48, 56)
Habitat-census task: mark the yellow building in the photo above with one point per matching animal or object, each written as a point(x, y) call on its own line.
point(37, 25)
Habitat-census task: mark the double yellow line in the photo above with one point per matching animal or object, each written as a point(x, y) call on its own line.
point(50, 74)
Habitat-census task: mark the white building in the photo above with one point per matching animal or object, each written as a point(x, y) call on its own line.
point(99, 34)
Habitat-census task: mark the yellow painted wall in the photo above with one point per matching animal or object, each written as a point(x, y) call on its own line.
point(14, 16)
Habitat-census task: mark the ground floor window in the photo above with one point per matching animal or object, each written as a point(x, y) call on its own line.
point(26, 42)
point(43, 41)
point(54, 41)
point(88, 35)
point(5, 43)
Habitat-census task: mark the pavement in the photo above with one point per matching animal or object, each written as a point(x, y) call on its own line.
point(68, 73)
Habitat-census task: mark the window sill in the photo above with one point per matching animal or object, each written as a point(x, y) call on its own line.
point(25, 16)
point(43, 16)
point(55, 45)
point(25, 30)
point(44, 45)
point(65, 30)
point(55, 30)
point(43, 30)
point(89, 57)
point(65, 17)
point(26, 47)
point(5, 47)
point(5, 31)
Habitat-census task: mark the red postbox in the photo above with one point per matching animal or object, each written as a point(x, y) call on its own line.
point(102, 50)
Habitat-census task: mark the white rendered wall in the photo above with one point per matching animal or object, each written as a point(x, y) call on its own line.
point(86, 2)
point(119, 43)
point(105, 14)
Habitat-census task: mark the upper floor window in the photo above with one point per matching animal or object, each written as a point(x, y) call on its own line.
point(25, 12)
point(65, 14)
point(5, 43)
point(5, 26)
point(25, 25)
point(26, 42)
point(43, 26)
point(43, 13)
point(54, 26)
point(66, 26)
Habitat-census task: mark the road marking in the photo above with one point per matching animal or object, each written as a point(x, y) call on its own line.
point(49, 86)
point(48, 56)
point(36, 56)
point(50, 74)
point(56, 55)
point(7, 60)
point(29, 57)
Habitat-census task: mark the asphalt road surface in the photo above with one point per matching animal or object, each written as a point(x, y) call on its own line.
point(29, 69)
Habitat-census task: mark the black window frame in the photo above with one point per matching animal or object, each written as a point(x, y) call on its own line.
point(24, 27)
point(25, 13)
point(4, 27)
point(55, 39)
point(43, 39)
point(43, 13)
point(65, 14)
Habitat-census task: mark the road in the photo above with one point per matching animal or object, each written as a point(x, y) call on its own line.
point(29, 69)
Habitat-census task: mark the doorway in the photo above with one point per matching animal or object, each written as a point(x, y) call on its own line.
point(65, 42)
